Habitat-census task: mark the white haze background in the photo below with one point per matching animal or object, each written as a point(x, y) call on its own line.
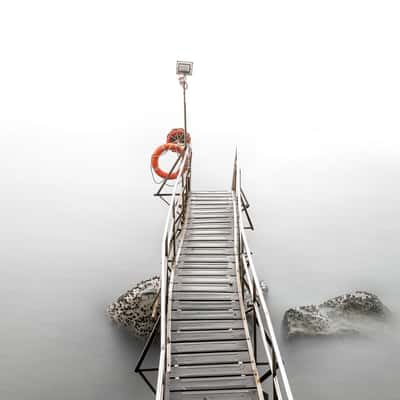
point(308, 90)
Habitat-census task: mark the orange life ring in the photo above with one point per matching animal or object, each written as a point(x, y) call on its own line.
point(176, 148)
point(177, 136)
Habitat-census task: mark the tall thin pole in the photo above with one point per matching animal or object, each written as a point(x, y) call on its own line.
point(183, 69)
point(184, 85)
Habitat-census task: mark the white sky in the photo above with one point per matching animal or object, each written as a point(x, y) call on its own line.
point(91, 84)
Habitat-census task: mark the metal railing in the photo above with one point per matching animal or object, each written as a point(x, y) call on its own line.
point(262, 323)
point(172, 231)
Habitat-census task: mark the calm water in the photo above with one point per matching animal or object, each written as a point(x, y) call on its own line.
point(71, 246)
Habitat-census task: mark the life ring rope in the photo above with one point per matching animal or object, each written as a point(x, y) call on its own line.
point(177, 135)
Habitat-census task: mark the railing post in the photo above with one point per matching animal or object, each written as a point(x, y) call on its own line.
point(189, 173)
point(234, 176)
point(273, 370)
point(183, 199)
point(241, 272)
point(173, 229)
point(254, 321)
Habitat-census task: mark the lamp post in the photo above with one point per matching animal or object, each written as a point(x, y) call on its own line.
point(183, 69)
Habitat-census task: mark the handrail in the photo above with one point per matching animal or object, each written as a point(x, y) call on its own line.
point(172, 228)
point(269, 341)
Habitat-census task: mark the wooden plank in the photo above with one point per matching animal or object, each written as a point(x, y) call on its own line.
point(205, 314)
point(231, 357)
point(207, 252)
point(225, 271)
point(209, 218)
point(197, 206)
point(199, 371)
point(209, 226)
point(213, 216)
point(207, 259)
point(219, 334)
point(199, 222)
point(217, 202)
point(207, 347)
point(204, 247)
point(214, 280)
point(211, 203)
point(241, 394)
point(195, 196)
point(191, 261)
point(194, 237)
point(183, 267)
point(227, 198)
point(208, 244)
point(208, 296)
point(234, 382)
point(183, 287)
point(207, 230)
point(211, 213)
point(206, 325)
point(205, 305)
point(214, 209)
point(211, 200)
point(210, 260)
point(204, 260)
point(211, 194)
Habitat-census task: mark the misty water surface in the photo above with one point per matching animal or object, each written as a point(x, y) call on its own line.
point(69, 249)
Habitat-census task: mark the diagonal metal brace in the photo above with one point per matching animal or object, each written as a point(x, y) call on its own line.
point(143, 355)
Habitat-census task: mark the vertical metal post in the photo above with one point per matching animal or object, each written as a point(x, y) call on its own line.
point(189, 172)
point(234, 174)
point(254, 321)
point(273, 370)
point(173, 229)
point(184, 84)
point(183, 197)
point(241, 266)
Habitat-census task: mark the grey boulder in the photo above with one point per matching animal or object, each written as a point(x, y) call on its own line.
point(352, 313)
point(133, 309)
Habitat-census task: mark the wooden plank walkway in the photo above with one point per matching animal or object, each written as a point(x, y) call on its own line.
point(209, 352)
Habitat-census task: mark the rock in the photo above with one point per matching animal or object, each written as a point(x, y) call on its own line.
point(341, 315)
point(133, 310)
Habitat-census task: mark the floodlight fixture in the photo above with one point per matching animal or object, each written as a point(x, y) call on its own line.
point(184, 68)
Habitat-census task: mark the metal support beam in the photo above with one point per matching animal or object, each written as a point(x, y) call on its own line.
point(143, 355)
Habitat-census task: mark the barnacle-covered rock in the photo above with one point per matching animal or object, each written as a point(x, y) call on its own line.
point(133, 310)
point(346, 314)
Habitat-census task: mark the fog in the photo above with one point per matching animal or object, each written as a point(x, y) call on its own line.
point(307, 91)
